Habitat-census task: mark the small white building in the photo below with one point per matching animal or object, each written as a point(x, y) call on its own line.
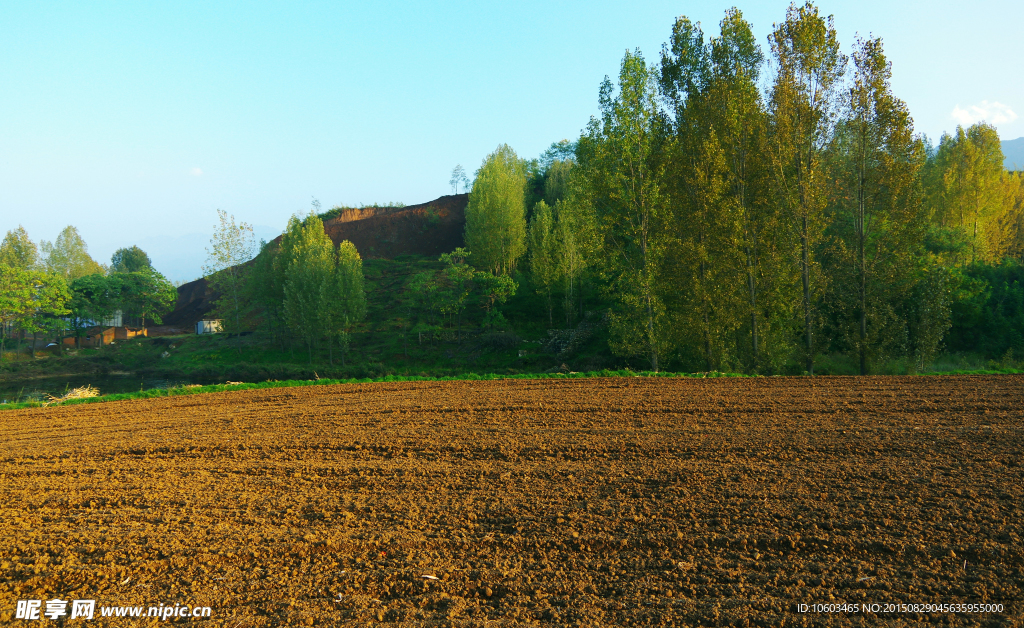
point(115, 320)
point(212, 326)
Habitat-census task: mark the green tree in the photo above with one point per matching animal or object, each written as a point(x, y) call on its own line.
point(562, 150)
point(18, 251)
point(738, 117)
point(347, 298)
point(619, 155)
point(309, 271)
point(17, 289)
point(494, 290)
point(425, 289)
point(143, 295)
point(92, 299)
point(556, 181)
point(877, 223)
point(544, 268)
point(68, 256)
point(129, 260)
point(575, 240)
point(496, 213)
point(1012, 218)
point(231, 246)
point(708, 182)
point(930, 316)
point(49, 300)
point(803, 107)
point(457, 284)
point(969, 194)
point(262, 291)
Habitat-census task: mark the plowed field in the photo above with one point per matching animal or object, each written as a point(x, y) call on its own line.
point(596, 502)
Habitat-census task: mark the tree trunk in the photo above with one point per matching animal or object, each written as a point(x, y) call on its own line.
point(805, 276)
point(862, 269)
point(582, 315)
point(650, 334)
point(753, 309)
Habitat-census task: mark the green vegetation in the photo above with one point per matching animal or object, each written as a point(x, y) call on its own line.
point(64, 291)
point(496, 213)
point(698, 224)
point(194, 390)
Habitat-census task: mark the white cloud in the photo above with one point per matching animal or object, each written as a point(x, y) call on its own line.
point(196, 172)
point(991, 112)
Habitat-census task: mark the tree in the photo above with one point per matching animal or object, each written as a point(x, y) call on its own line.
point(574, 243)
point(18, 251)
point(496, 213)
point(49, 299)
point(969, 197)
point(347, 299)
point(261, 288)
point(457, 284)
point(562, 150)
point(17, 288)
point(93, 298)
point(1012, 218)
point(878, 224)
point(803, 107)
point(708, 184)
point(494, 290)
point(143, 295)
point(129, 260)
point(619, 157)
point(68, 256)
point(309, 271)
point(231, 246)
point(458, 178)
point(556, 181)
point(739, 119)
point(544, 268)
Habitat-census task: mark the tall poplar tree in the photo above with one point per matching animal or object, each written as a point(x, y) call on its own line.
point(68, 256)
point(309, 268)
point(543, 261)
point(346, 296)
point(620, 154)
point(878, 222)
point(739, 117)
point(718, 119)
point(18, 251)
point(231, 246)
point(496, 213)
point(803, 105)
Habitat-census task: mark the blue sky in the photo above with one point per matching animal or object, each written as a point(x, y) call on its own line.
point(135, 121)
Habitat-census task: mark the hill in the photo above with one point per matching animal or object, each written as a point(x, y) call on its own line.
point(427, 229)
point(1013, 154)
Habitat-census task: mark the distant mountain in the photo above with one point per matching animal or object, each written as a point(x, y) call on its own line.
point(1013, 154)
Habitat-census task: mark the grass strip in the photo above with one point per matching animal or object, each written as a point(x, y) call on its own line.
point(211, 388)
point(290, 383)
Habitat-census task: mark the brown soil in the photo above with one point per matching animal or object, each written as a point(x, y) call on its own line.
point(387, 232)
point(599, 502)
point(377, 232)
